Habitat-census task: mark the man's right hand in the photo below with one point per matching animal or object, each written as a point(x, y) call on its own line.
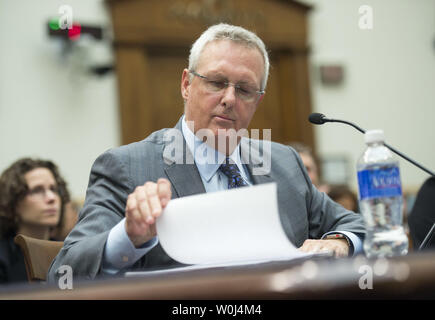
point(144, 205)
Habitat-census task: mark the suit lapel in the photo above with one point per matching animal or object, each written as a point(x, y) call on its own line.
point(259, 179)
point(185, 179)
point(251, 157)
point(184, 176)
point(252, 160)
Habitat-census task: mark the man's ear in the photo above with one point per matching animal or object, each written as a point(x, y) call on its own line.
point(185, 84)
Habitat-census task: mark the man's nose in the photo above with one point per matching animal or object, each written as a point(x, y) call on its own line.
point(229, 96)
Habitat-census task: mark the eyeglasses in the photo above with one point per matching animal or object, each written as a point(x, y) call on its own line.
point(41, 192)
point(245, 92)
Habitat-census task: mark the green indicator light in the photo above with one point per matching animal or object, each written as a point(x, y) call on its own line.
point(54, 24)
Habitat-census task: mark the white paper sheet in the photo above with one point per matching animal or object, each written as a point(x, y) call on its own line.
point(227, 227)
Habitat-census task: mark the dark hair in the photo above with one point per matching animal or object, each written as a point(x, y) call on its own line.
point(13, 188)
point(339, 191)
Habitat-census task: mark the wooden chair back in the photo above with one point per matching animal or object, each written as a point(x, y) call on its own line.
point(38, 255)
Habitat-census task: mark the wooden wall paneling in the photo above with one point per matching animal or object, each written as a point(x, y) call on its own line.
point(133, 83)
point(287, 92)
point(166, 70)
point(269, 109)
point(301, 67)
point(181, 21)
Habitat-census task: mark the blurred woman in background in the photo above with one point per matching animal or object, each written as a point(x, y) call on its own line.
point(33, 198)
point(343, 195)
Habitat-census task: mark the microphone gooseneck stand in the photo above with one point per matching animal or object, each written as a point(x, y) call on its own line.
point(319, 119)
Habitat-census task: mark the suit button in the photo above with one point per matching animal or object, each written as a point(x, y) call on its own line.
point(124, 258)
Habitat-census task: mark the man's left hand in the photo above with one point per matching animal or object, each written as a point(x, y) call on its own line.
point(337, 247)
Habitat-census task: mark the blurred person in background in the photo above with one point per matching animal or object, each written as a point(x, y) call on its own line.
point(68, 221)
point(33, 199)
point(343, 195)
point(311, 164)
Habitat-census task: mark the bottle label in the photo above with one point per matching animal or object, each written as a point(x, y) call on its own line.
point(379, 183)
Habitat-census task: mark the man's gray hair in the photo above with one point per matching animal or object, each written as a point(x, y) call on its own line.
point(223, 31)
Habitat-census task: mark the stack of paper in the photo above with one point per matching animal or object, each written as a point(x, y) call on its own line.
point(231, 227)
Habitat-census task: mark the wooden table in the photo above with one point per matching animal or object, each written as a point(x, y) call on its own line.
point(408, 277)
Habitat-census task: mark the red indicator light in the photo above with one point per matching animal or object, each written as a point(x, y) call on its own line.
point(74, 32)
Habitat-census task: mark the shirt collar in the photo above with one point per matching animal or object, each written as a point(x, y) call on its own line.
point(207, 159)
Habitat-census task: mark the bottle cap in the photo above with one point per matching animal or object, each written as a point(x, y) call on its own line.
point(372, 136)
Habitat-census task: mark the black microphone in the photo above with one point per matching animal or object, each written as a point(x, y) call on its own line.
point(319, 118)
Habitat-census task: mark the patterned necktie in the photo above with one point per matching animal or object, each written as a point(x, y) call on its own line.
point(235, 179)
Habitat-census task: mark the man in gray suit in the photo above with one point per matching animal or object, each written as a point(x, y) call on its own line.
point(130, 186)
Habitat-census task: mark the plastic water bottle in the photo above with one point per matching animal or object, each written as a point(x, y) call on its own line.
point(380, 199)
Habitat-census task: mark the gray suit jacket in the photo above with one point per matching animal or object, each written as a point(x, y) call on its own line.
point(305, 212)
